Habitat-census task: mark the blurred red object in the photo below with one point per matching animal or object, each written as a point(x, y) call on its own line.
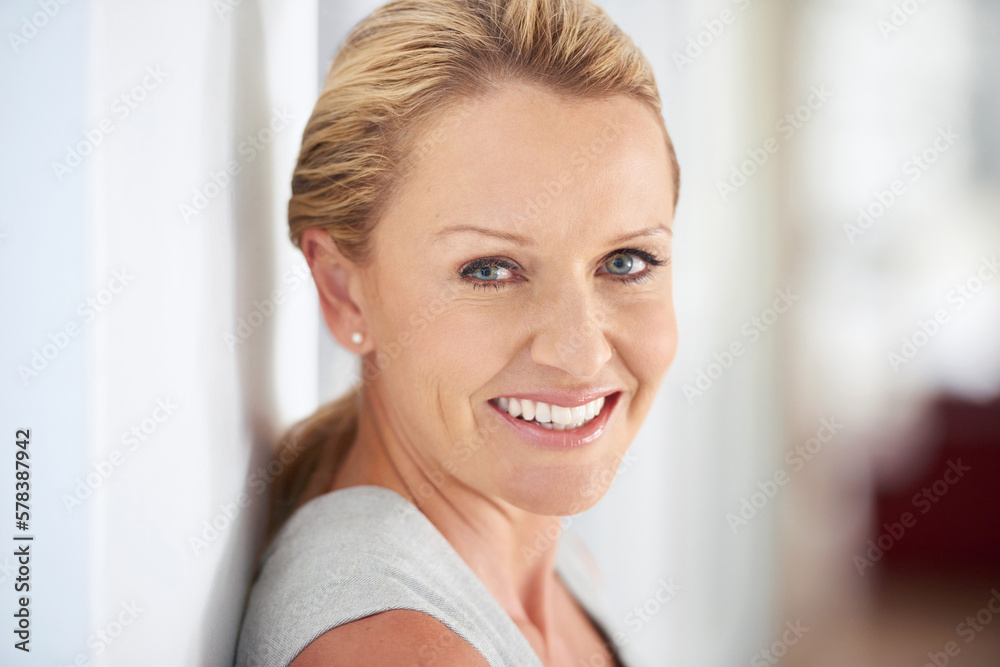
point(948, 520)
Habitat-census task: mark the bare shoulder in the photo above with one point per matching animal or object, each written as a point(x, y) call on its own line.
point(397, 638)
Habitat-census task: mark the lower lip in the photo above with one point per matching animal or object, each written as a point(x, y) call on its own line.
point(552, 439)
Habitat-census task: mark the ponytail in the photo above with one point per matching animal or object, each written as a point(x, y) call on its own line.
point(315, 447)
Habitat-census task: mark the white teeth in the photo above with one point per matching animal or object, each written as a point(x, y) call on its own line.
point(550, 416)
point(561, 415)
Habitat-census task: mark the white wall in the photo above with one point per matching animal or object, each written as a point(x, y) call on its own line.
point(43, 267)
point(223, 72)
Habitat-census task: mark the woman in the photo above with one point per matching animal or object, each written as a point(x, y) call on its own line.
point(484, 195)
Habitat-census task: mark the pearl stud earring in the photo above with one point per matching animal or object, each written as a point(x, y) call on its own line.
point(357, 337)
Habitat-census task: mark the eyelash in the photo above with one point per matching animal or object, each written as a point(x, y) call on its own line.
point(650, 260)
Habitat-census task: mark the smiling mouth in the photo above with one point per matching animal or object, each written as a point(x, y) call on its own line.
point(549, 415)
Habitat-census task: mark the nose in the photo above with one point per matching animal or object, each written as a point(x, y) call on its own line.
point(569, 335)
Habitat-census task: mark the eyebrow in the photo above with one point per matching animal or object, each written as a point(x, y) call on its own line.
point(523, 241)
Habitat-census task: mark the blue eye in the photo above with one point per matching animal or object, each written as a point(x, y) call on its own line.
point(489, 271)
point(630, 265)
point(622, 263)
point(625, 264)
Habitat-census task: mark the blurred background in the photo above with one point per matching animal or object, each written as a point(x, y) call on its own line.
point(819, 477)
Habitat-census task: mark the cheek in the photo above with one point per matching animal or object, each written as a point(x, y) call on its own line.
point(466, 346)
point(440, 349)
point(457, 352)
point(648, 342)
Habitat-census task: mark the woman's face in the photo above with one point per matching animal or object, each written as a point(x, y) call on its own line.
point(526, 256)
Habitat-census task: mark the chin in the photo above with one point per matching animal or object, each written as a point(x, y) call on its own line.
point(561, 490)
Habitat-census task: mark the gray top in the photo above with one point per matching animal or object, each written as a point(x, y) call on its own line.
point(363, 550)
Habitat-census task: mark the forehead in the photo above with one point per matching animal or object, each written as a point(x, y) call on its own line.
point(534, 162)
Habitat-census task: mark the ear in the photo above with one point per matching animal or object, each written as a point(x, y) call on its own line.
point(337, 282)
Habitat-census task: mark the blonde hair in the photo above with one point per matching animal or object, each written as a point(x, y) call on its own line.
point(399, 70)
